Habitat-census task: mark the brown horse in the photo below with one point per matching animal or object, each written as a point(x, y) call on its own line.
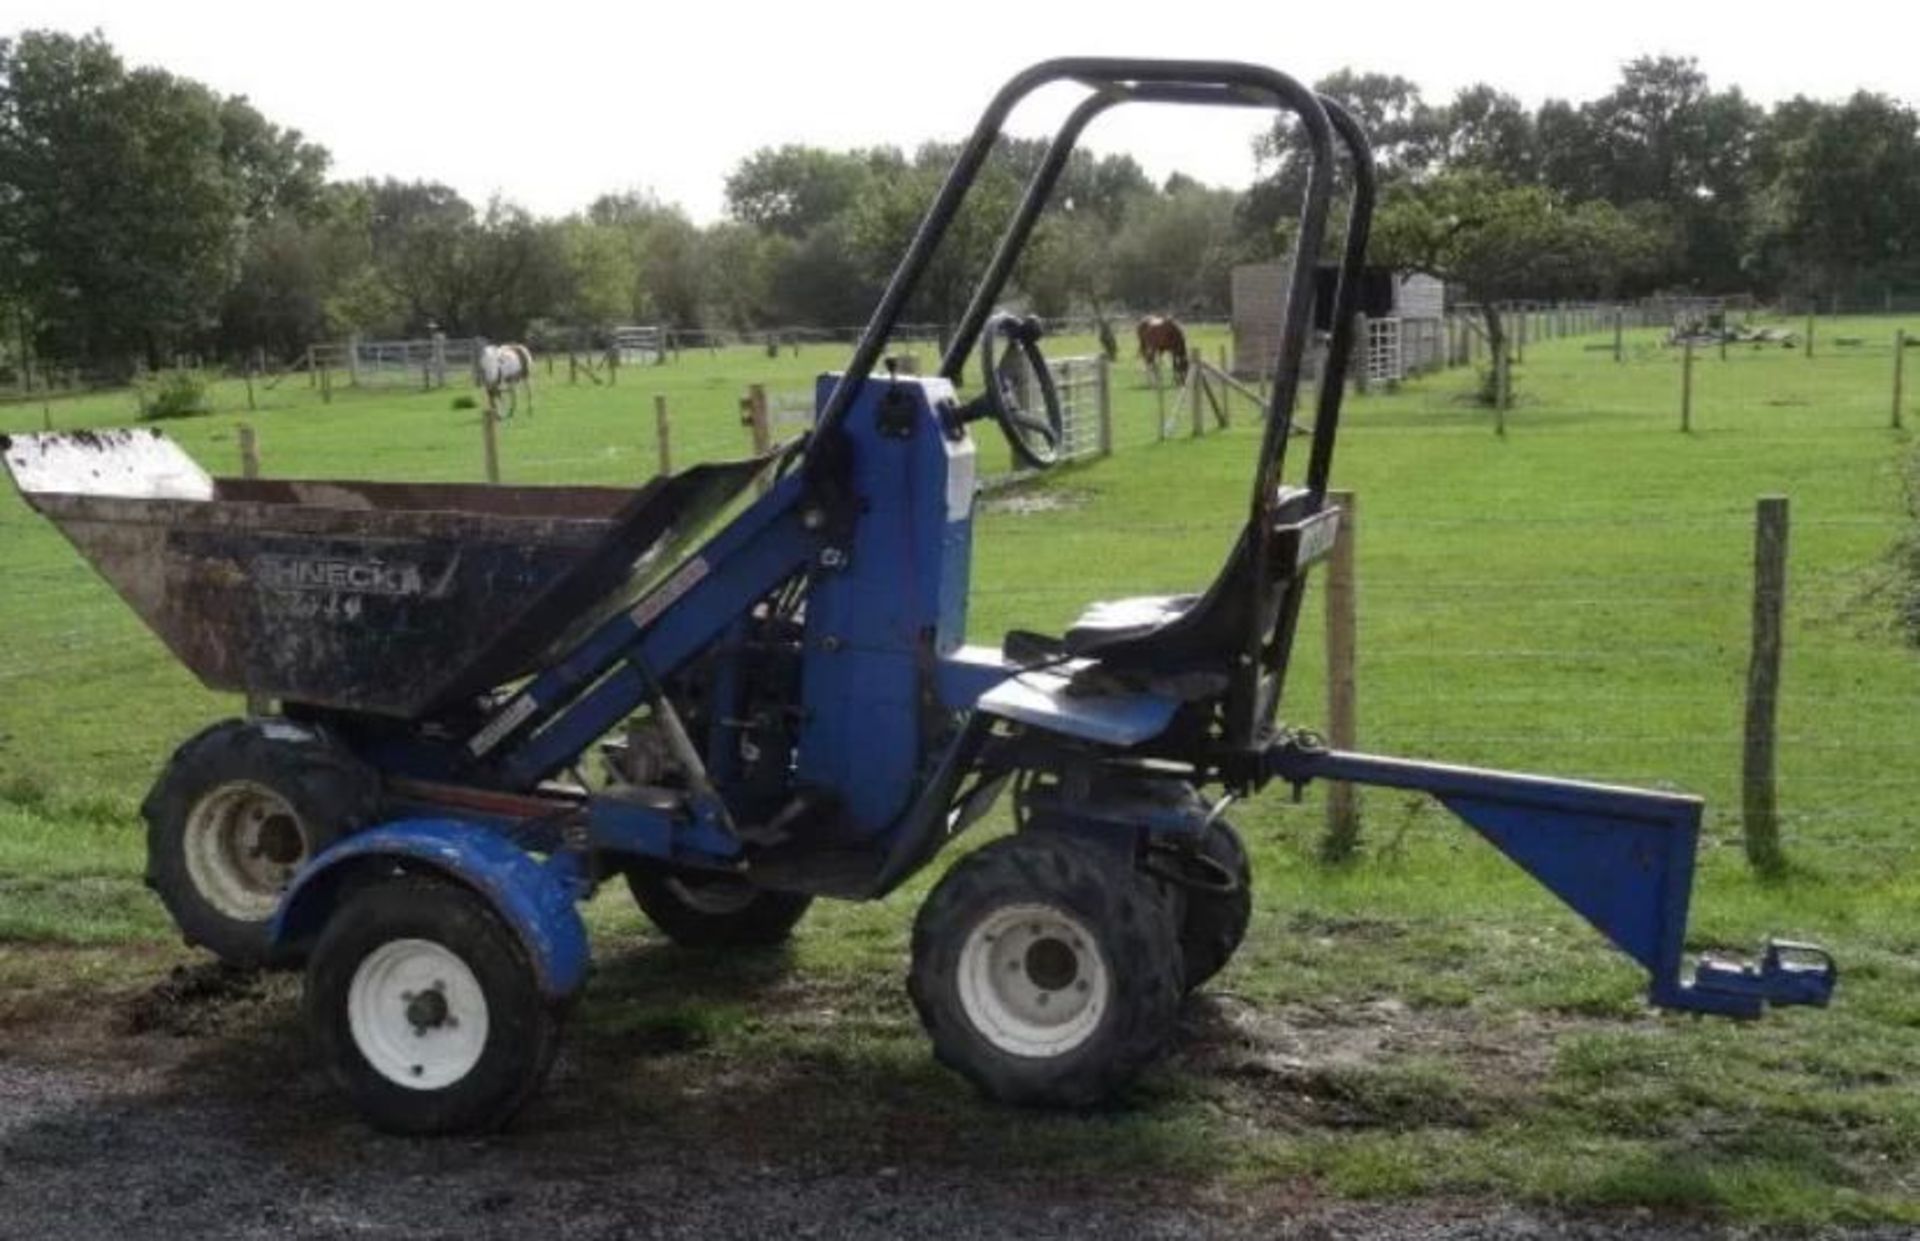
point(1159, 334)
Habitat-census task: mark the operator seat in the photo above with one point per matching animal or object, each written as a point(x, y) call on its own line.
point(1169, 635)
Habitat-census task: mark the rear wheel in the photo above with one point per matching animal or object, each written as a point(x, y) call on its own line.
point(1046, 969)
point(426, 1009)
point(235, 815)
point(716, 911)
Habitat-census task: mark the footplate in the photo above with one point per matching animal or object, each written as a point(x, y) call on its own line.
point(1787, 973)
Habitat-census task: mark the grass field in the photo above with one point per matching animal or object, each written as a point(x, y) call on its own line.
point(1572, 598)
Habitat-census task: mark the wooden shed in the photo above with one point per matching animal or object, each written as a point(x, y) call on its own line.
point(1260, 290)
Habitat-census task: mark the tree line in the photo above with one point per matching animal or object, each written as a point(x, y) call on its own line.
point(1690, 188)
point(143, 214)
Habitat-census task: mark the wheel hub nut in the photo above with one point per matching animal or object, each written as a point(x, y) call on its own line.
point(1051, 964)
point(427, 1011)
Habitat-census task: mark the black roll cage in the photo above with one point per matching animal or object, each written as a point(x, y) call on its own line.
point(1113, 81)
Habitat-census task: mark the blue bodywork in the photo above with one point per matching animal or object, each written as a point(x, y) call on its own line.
point(885, 687)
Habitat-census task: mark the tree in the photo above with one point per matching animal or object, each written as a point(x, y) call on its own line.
point(1176, 251)
point(669, 286)
point(1571, 160)
point(1840, 198)
point(416, 231)
point(1496, 241)
point(1068, 265)
point(600, 273)
point(512, 270)
point(1487, 129)
point(825, 279)
point(1663, 136)
point(737, 266)
point(119, 234)
point(280, 174)
point(888, 213)
point(1402, 129)
point(1105, 185)
point(792, 190)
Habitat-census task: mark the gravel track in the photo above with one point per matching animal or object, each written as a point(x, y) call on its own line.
point(191, 1111)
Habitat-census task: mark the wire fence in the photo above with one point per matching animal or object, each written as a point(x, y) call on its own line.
point(1573, 599)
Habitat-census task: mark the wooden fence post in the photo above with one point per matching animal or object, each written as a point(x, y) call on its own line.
point(1193, 394)
point(249, 452)
point(1811, 313)
point(1103, 393)
point(1362, 353)
point(490, 441)
point(1686, 385)
point(248, 373)
point(1899, 371)
point(753, 412)
point(1159, 400)
point(1760, 814)
point(662, 429)
point(1502, 382)
point(326, 384)
point(1342, 838)
point(1619, 333)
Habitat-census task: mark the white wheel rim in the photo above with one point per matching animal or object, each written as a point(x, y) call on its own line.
point(417, 1014)
point(1032, 981)
point(243, 843)
point(717, 898)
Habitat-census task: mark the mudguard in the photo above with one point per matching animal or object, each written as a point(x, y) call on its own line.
point(535, 899)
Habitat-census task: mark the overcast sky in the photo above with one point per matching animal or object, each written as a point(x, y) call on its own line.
point(552, 103)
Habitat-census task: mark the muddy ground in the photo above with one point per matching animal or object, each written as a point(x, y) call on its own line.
point(184, 1104)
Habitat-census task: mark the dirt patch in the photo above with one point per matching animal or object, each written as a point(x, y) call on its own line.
point(1379, 1064)
point(208, 998)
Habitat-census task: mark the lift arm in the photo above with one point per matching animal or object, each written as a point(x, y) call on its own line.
point(1621, 858)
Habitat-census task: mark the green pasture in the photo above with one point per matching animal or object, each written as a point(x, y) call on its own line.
point(1571, 598)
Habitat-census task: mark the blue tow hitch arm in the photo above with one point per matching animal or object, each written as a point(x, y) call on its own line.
point(1621, 858)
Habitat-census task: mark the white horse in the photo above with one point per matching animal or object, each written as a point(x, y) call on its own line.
point(508, 367)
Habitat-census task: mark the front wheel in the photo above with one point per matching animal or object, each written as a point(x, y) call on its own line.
point(1046, 969)
point(1217, 912)
point(716, 911)
point(426, 1010)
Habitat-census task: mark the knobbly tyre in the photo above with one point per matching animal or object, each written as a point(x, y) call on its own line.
point(780, 689)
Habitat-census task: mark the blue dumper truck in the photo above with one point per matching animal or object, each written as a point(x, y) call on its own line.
point(749, 685)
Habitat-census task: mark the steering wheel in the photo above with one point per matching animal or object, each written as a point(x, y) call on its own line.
point(1035, 437)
